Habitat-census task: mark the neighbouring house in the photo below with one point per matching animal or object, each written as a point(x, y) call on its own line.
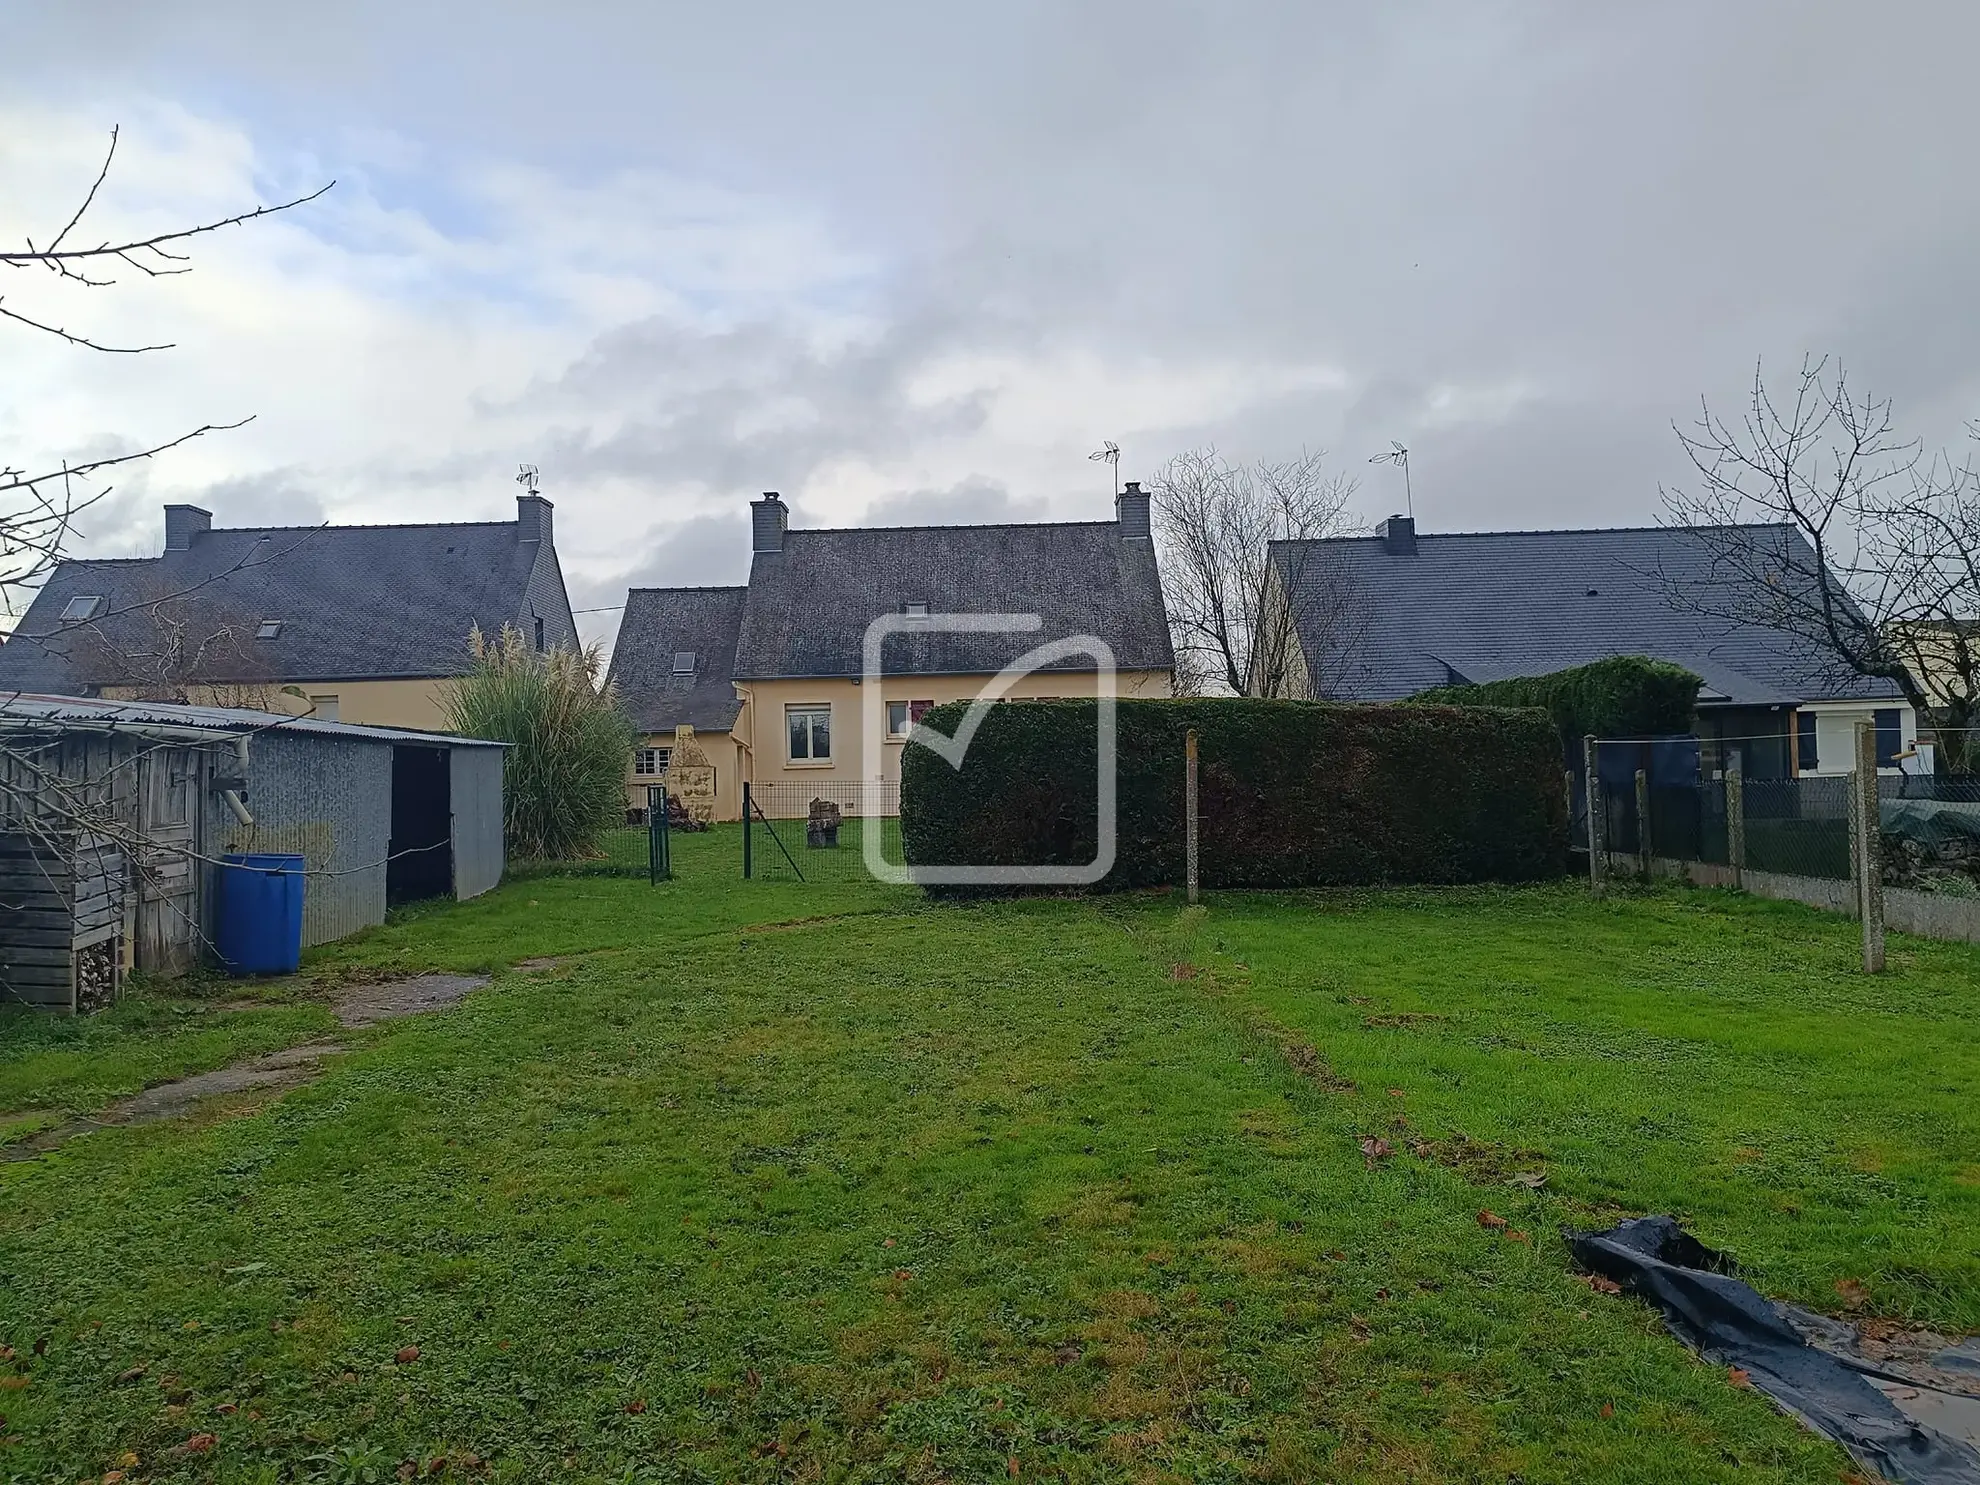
point(1432, 609)
point(770, 675)
point(114, 816)
point(361, 624)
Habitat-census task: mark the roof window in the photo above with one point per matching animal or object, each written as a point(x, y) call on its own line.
point(684, 662)
point(268, 629)
point(915, 610)
point(82, 606)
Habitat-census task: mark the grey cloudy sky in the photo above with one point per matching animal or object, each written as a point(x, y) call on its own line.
point(914, 261)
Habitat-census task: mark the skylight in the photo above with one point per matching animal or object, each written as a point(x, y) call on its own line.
point(82, 606)
point(915, 610)
point(684, 662)
point(268, 629)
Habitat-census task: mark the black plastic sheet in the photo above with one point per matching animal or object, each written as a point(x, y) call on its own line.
point(1910, 1413)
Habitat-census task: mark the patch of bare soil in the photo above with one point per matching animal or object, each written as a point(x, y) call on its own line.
point(354, 1004)
point(363, 1005)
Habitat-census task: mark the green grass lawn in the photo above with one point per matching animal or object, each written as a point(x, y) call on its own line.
point(770, 1181)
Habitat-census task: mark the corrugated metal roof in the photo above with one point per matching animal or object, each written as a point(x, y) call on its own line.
point(41, 712)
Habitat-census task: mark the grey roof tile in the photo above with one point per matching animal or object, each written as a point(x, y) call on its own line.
point(660, 623)
point(354, 602)
point(810, 604)
point(1488, 605)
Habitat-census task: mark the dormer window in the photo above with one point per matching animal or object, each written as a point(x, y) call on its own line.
point(684, 662)
point(268, 629)
point(82, 606)
point(915, 610)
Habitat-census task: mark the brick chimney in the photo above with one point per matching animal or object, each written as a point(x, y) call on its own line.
point(769, 519)
point(1398, 535)
point(1131, 510)
point(183, 523)
point(533, 519)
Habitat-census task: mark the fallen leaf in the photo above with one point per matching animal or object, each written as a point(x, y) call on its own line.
point(1853, 1293)
point(1600, 1283)
point(190, 1325)
point(226, 1410)
point(128, 1459)
point(1176, 972)
point(437, 1465)
point(113, 1477)
point(6, 1353)
point(636, 1406)
point(1739, 1376)
point(1067, 1354)
point(406, 1355)
point(887, 1243)
point(408, 1468)
point(1608, 1410)
point(1396, 1093)
point(903, 1274)
point(199, 1443)
point(1519, 1237)
point(1011, 1467)
point(1375, 1148)
point(1492, 1221)
point(1531, 1180)
point(13, 1384)
point(752, 1379)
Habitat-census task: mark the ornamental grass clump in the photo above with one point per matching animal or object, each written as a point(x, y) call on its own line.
point(564, 776)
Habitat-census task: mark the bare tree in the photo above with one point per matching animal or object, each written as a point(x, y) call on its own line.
point(1822, 522)
point(1255, 608)
point(38, 506)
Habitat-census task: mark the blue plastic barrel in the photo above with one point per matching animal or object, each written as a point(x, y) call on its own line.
point(258, 918)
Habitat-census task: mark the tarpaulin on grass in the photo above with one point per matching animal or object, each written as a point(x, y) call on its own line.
point(1912, 1416)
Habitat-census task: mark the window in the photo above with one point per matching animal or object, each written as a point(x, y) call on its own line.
point(539, 632)
point(323, 708)
point(650, 763)
point(903, 715)
point(915, 610)
point(1806, 757)
point(811, 733)
point(684, 662)
point(268, 629)
point(82, 606)
point(1890, 736)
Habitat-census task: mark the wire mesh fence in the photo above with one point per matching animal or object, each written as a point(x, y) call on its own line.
point(1798, 827)
point(818, 832)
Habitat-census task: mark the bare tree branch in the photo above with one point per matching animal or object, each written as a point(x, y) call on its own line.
point(1236, 543)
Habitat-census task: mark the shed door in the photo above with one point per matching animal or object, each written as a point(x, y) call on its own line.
point(168, 932)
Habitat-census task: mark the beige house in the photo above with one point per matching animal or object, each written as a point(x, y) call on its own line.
point(772, 676)
point(363, 624)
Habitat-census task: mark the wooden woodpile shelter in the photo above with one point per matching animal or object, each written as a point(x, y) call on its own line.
point(68, 908)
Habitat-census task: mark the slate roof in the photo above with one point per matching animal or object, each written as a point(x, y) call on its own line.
point(1482, 606)
point(355, 602)
point(660, 623)
point(809, 604)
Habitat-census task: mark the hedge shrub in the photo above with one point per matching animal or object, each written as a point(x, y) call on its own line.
point(1624, 696)
point(1291, 794)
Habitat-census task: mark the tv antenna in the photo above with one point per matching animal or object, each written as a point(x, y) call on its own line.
point(529, 477)
point(1398, 454)
point(1109, 453)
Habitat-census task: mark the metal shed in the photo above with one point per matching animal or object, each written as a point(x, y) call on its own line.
point(379, 815)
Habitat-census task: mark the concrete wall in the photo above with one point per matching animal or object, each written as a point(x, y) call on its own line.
point(1924, 914)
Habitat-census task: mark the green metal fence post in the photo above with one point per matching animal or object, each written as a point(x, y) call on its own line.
point(746, 814)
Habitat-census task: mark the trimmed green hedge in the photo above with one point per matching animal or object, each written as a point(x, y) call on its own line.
point(1291, 793)
point(1624, 696)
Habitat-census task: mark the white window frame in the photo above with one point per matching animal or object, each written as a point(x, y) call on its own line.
point(895, 734)
point(643, 757)
point(793, 709)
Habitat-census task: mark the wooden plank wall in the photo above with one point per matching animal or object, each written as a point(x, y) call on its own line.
point(37, 927)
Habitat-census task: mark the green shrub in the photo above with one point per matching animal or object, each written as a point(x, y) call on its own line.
point(1290, 793)
point(564, 776)
point(1623, 696)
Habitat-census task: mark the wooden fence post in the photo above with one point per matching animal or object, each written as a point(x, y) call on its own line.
point(1189, 810)
point(1867, 819)
point(1597, 844)
point(1643, 823)
point(1736, 821)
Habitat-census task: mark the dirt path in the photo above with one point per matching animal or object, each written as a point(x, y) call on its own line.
point(354, 1005)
